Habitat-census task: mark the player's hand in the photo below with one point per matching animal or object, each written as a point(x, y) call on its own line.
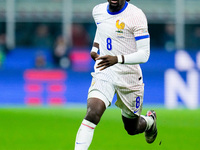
point(94, 55)
point(106, 61)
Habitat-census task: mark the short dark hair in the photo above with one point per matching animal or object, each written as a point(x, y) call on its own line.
point(127, 0)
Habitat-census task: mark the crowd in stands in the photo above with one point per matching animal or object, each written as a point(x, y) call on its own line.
point(48, 36)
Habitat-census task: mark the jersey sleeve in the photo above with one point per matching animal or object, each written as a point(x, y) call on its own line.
point(141, 56)
point(139, 26)
point(95, 13)
point(96, 38)
point(140, 31)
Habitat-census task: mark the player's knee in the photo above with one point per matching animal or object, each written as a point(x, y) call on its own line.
point(95, 110)
point(93, 116)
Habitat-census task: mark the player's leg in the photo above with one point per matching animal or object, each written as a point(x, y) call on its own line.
point(135, 124)
point(99, 95)
point(95, 109)
point(130, 101)
point(139, 124)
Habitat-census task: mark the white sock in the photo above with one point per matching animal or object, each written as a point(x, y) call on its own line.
point(149, 121)
point(84, 135)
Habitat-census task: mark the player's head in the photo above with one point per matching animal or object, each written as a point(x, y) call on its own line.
point(119, 0)
point(116, 0)
point(116, 5)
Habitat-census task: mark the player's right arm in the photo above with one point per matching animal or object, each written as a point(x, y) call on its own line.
point(94, 51)
point(95, 47)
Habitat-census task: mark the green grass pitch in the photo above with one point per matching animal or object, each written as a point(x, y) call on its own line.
point(56, 128)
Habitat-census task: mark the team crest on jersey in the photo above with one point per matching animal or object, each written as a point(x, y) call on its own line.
point(120, 26)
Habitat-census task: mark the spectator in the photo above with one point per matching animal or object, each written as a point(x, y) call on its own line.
point(60, 53)
point(42, 38)
point(195, 40)
point(80, 36)
point(40, 61)
point(3, 48)
point(169, 37)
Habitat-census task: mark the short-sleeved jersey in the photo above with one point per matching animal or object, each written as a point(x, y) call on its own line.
point(117, 33)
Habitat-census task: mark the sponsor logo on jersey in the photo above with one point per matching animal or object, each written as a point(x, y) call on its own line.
point(80, 143)
point(144, 31)
point(136, 111)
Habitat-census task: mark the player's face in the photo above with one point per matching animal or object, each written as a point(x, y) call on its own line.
point(116, 5)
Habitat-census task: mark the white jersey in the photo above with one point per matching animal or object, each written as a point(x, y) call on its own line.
point(117, 34)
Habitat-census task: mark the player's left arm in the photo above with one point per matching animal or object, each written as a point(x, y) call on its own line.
point(142, 39)
point(142, 54)
point(95, 47)
point(94, 51)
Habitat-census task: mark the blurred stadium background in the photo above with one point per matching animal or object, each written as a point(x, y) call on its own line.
point(45, 62)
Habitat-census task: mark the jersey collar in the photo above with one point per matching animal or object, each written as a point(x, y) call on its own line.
point(117, 12)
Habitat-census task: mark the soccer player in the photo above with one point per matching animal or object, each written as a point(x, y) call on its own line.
point(122, 39)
